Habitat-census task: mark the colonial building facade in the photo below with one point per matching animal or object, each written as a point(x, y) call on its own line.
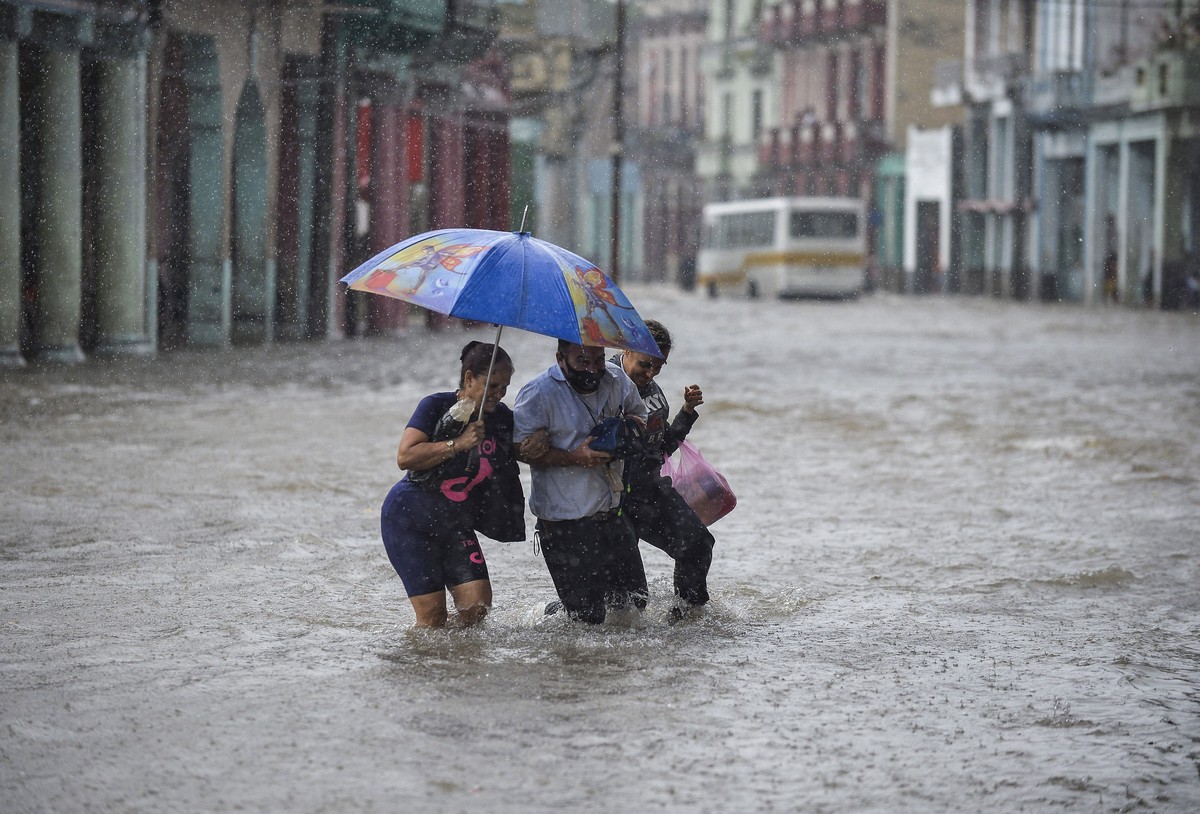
point(187, 174)
point(667, 42)
point(1081, 150)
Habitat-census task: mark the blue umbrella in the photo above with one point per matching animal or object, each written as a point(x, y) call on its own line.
point(509, 279)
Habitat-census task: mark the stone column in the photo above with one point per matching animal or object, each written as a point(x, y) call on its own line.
point(10, 209)
point(501, 178)
point(389, 205)
point(447, 171)
point(120, 212)
point(59, 216)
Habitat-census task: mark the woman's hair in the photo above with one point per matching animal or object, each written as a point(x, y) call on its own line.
point(476, 356)
point(660, 335)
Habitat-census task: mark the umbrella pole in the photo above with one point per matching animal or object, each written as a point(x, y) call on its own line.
point(488, 381)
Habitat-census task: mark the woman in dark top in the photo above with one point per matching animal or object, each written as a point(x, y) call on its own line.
point(459, 480)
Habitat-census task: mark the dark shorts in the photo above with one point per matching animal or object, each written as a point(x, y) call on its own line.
point(430, 558)
point(595, 564)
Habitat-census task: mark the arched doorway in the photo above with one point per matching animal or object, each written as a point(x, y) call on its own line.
point(253, 279)
point(193, 294)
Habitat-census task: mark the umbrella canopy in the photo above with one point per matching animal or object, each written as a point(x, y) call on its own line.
point(507, 278)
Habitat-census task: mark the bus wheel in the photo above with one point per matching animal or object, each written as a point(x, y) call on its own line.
point(712, 290)
point(752, 290)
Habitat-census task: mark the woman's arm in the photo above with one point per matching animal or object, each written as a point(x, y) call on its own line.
point(417, 452)
point(534, 447)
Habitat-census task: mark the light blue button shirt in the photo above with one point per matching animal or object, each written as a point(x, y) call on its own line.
point(549, 402)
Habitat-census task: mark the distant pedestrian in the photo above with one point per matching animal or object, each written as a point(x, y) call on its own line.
point(454, 486)
point(1110, 278)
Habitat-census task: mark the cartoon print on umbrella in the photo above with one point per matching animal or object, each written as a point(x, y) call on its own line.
point(593, 285)
point(395, 275)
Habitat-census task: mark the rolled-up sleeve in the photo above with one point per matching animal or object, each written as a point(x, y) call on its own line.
point(529, 413)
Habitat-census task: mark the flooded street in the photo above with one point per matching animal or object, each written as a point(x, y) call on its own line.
point(962, 576)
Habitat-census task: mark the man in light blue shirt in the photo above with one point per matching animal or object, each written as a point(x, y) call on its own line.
point(590, 548)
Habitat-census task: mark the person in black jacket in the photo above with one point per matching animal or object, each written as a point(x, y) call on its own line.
point(658, 514)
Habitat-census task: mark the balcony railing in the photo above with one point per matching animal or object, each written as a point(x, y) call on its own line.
point(768, 25)
point(775, 149)
point(821, 145)
point(784, 24)
point(805, 144)
point(874, 12)
point(859, 14)
point(768, 148)
point(793, 22)
point(807, 21)
point(1006, 66)
point(829, 150)
point(830, 16)
point(786, 21)
point(1114, 89)
point(848, 143)
point(785, 157)
point(1056, 99)
point(852, 14)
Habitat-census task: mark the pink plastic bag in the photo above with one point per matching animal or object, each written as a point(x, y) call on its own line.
point(704, 488)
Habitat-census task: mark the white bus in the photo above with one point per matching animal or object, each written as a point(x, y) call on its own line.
point(784, 247)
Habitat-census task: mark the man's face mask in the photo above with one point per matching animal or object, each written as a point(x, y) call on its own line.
point(584, 381)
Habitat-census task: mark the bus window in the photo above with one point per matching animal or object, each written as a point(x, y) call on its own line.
point(824, 224)
point(747, 229)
